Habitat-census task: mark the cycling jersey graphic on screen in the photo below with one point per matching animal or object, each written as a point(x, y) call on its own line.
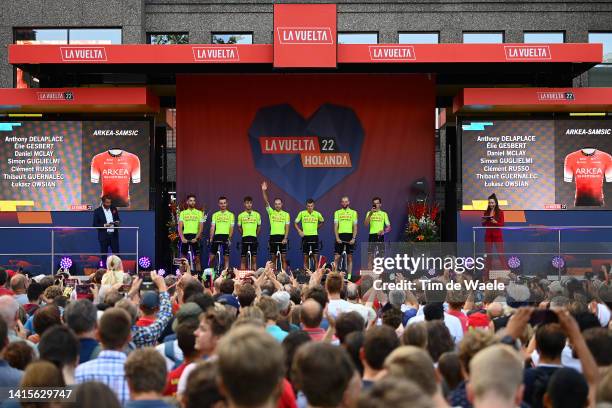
point(114, 169)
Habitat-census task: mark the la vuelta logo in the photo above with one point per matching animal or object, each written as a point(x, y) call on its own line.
point(305, 35)
point(527, 52)
point(83, 54)
point(215, 54)
point(392, 53)
point(319, 151)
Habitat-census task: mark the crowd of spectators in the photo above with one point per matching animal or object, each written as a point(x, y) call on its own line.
point(267, 339)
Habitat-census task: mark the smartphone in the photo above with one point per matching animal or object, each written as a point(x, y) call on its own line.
point(178, 261)
point(145, 276)
point(543, 316)
point(83, 289)
point(147, 285)
point(124, 289)
point(71, 282)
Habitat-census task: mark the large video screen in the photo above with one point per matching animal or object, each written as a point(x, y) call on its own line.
point(537, 164)
point(69, 165)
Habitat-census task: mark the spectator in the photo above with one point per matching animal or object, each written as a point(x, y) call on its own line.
point(188, 313)
point(4, 277)
point(212, 327)
point(567, 388)
point(311, 315)
point(334, 285)
point(392, 317)
point(353, 343)
point(435, 299)
point(41, 374)
point(9, 312)
point(81, 316)
point(283, 299)
point(246, 295)
point(604, 391)
point(202, 387)
point(34, 293)
point(9, 376)
point(191, 288)
point(414, 364)
point(599, 341)
point(270, 309)
point(456, 301)
point(149, 306)
point(394, 392)
point(326, 375)
point(18, 354)
point(114, 271)
point(94, 394)
point(550, 341)
point(415, 335)
point(143, 336)
point(449, 368)
point(496, 378)
point(114, 334)
point(204, 300)
point(44, 318)
point(347, 323)
point(379, 342)
point(438, 339)
point(185, 338)
point(352, 296)
point(231, 304)
point(258, 383)
point(19, 286)
point(227, 287)
point(145, 372)
point(290, 344)
point(473, 342)
point(60, 346)
point(251, 315)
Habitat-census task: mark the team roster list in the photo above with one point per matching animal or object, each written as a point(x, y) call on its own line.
point(514, 159)
point(34, 162)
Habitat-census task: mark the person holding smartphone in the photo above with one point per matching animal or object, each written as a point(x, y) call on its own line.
point(493, 217)
point(378, 222)
point(105, 218)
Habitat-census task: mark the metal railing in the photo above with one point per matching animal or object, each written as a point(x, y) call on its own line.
point(54, 254)
point(556, 229)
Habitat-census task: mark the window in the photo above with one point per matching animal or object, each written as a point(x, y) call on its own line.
point(544, 37)
point(419, 38)
point(357, 38)
point(601, 75)
point(60, 36)
point(94, 36)
point(232, 38)
point(168, 38)
point(483, 38)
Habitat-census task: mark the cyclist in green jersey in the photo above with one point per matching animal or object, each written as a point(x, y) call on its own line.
point(279, 227)
point(190, 228)
point(221, 231)
point(311, 222)
point(378, 222)
point(345, 229)
point(249, 223)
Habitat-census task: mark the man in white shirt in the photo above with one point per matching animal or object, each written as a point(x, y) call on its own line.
point(336, 305)
point(434, 311)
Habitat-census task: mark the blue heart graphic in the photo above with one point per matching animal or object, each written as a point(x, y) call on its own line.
point(286, 170)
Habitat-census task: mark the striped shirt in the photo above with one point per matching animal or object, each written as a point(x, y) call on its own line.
point(107, 369)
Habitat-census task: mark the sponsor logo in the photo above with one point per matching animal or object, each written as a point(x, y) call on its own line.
point(215, 54)
point(527, 52)
point(305, 35)
point(392, 53)
point(79, 54)
point(55, 96)
point(556, 96)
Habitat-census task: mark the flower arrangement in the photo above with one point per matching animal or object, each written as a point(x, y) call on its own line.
point(172, 226)
point(423, 222)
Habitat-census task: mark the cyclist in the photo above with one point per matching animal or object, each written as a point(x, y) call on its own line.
point(249, 223)
point(379, 224)
point(345, 229)
point(221, 231)
point(190, 228)
point(279, 226)
point(311, 222)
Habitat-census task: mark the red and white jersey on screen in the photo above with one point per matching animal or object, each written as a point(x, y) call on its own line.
point(114, 169)
point(588, 167)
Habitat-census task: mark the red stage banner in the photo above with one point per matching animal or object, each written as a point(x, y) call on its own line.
point(312, 55)
point(533, 99)
point(305, 35)
point(39, 100)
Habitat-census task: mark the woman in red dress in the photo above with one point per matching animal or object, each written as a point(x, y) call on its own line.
point(493, 217)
